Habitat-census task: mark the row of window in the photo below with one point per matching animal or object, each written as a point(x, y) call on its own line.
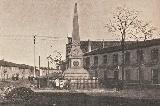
point(127, 59)
point(139, 75)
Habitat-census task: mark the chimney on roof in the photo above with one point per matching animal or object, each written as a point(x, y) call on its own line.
point(89, 46)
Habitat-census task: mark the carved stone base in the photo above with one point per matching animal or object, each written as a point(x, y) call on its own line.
point(79, 73)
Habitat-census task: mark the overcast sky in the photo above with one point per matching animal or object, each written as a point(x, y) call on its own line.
point(21, 19)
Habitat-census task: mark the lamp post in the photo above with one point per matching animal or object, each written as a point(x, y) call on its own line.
point(34, 73)
point(48, 68)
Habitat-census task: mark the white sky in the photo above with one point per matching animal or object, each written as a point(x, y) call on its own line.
point(21, 19)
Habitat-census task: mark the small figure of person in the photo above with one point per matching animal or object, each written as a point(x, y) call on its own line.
point(57, 83)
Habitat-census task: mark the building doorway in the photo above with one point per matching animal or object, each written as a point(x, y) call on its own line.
point(155, 76)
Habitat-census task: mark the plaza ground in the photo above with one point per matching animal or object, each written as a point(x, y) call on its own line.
point(88, 97)
point(126, 93)
point(138, 93)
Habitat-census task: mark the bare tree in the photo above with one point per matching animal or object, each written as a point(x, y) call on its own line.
point(126, 23)
point(145, 29)
point(56, 58)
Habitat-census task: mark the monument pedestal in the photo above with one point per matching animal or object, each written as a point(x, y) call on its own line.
point(76, 70)
point(77, 73)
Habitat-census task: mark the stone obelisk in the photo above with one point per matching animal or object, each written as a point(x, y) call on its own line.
point(75, 69)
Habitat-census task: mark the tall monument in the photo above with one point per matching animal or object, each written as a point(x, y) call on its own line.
point(75, 69)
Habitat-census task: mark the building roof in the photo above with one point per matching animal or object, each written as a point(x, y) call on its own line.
point(97, 44)
point(46, 68)
point(94, 45)
point(130, 46)
point(11, 64)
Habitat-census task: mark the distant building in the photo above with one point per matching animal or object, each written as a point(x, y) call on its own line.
point(142, 62)
point(50, 72)
point(8, 70)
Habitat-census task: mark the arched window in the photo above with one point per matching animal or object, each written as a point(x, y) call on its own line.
point(115, 59)
point(140, 56)
point(96, 60)
point(127, 57)
point(105, 59)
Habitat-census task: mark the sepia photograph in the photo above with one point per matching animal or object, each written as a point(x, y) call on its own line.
point(79, 52)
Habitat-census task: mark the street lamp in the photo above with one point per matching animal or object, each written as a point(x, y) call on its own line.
point(34, 73)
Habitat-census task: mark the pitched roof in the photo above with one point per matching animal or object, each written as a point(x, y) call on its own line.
point(46, 68)
point(11, 64)
point(97, 44)
point(130, 46)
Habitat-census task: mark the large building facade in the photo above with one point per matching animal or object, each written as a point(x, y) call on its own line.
point(141, 62)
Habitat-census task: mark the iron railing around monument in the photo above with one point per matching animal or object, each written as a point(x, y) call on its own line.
point(85, 84)
point(43, 83)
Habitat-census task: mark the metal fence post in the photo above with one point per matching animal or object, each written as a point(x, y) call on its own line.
point(76, 83)
point(83, 83)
